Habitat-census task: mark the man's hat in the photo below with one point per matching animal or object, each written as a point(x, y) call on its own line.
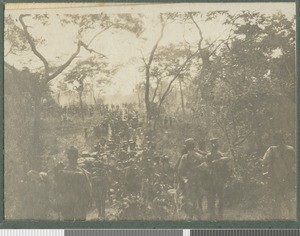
point(214, 140)
point(190, 143)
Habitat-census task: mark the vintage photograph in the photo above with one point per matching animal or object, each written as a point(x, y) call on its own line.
point(150, 111)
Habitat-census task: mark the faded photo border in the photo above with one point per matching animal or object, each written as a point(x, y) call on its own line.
point(27, 224)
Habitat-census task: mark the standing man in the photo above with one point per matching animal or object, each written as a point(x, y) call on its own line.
point(280, 165)
point(74, 187)
point(218, 174)
point(189, 179)
point(35, 196)
point(100, 186)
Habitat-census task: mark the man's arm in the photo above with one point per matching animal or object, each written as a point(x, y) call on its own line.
point(203, 153)
point(182, 167)
point(292, 158)
point(266, 160)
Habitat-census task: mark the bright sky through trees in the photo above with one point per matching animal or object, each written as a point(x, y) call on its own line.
point(122, 48)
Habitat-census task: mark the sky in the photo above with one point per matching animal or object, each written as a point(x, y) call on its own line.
point(123, 49)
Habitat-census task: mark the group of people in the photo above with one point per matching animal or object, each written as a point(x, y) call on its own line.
point(206, 174)
point(200, 174)
point(118, 176)
point(118, 124)
point(91, 110)
point(144, 179)
point(125, 171)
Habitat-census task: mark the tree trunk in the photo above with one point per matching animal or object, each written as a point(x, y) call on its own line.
point(181, 96)
point(139, 98)
point(147, 95)
point(93, 95)
point(81, 105)
point(148, 65)
point(35, 161)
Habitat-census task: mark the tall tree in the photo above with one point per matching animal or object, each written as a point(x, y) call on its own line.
point(244, 86)
point(148, 64)
point(19, 38)
point(95, 70)
point(152, 70)
point(172, 62)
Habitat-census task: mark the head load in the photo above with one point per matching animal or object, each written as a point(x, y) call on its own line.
point(190, 144)
point(214, 142)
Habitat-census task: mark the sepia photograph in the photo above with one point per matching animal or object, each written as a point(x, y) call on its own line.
point(150, 111)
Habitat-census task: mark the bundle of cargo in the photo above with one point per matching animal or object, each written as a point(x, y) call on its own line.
point(224, 161)
point(94, 154)
point(86, 161)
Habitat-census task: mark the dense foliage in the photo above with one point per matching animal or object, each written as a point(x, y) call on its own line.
point(239, 88)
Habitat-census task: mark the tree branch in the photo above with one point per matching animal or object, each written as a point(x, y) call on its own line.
point(144, 60)
point(61, 68)
point(199, 31)
point(32, 44)
point(216, 39)
point(157, 42)
point(66, 64)
point(148, 66)
point(92, 50)
point(96, 35)
point(143, 57)
point(175, 77)
point(72, 57)
point(242, 140)
point(155, 91)
point(225, 41)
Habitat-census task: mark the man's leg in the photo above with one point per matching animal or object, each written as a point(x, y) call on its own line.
point(290, 203)
point(67, 211)
point(81, 212)
point(277, 201)
point(98, 205)
point(211, 203)
point(194, 201)
point(287, 198)
point(187, 201)
point(103, 199)
point(221, 202)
